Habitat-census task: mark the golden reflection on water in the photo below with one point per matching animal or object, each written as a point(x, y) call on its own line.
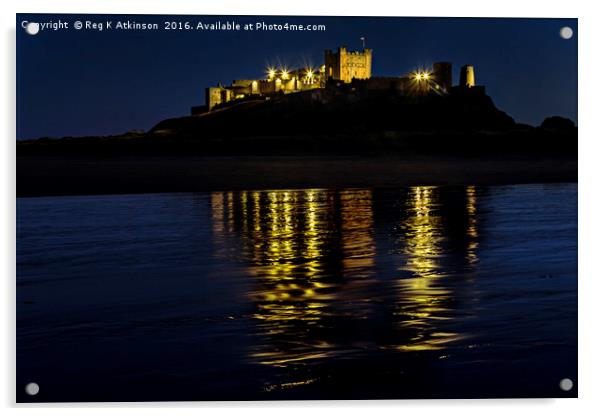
point(424, 298)
point(471, 230)
point(312, 251)
point(357, 224)
point(423, 233)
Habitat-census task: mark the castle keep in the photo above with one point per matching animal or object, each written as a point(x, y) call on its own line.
point(346, 65)
point(343, 70)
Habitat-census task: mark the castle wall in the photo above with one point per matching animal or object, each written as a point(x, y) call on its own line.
point(241, 83)
point(332, 63)
point(267, 86)
point(217, 95)
point(213, 97)
point(379, 85)
point(291, 85)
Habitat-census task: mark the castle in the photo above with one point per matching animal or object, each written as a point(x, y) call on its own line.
point(342, 69)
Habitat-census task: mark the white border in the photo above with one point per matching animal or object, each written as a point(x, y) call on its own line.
point(590, 202)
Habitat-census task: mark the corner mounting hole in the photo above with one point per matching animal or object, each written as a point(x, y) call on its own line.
point(32, 389)
point(566, 384)
point(566, 32)
point(32, 28)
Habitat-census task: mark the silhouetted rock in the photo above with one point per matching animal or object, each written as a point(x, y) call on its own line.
point(464, 123)
point(557, 123)
point(333, 113)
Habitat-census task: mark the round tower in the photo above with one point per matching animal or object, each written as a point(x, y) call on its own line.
point(467, 76)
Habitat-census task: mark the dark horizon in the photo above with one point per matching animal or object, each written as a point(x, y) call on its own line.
point(78, 83)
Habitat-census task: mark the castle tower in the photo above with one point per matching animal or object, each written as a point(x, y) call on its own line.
point(217, 95)
point(346, 65)
point(467, 76)
point(442, 74)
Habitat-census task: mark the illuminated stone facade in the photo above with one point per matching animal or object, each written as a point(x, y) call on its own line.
point(348, 72)
point(467, 78)
point(344, 65)
point(277, 81)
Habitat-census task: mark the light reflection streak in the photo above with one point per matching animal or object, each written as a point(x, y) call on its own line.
point(301, 244)
point(312, 252)
point(424, 298)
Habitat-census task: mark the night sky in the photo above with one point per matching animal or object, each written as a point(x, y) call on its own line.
point(83, 82)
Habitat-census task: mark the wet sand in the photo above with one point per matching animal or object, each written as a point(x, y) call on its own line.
point(449, 292)
point(45, 176)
